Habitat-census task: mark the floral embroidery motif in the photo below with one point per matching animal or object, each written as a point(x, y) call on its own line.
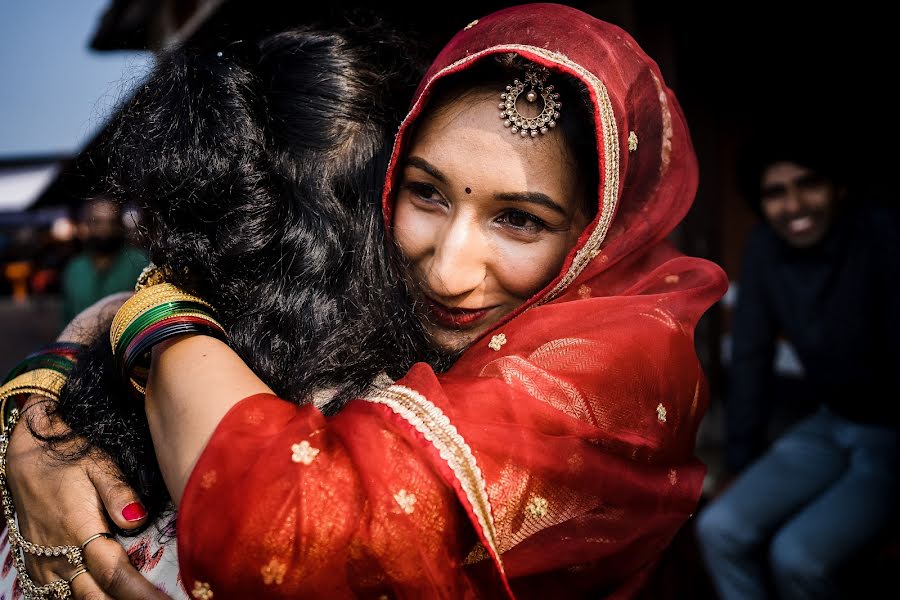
point(661, 413)
point(632, 141)
point(537, 507)
point(209, 479)
point(273, 572)
point(497, 341)
point(672, 278)
point(584, 292)
point(303, 452)
point(202, 591)
point(673, 476)
point(406, 501)
point(471, 25)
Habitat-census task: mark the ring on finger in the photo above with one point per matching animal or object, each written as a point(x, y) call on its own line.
point(81, 570)
point(102, 534)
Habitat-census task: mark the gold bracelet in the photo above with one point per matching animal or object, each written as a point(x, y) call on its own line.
point(45, 382)
point(54, 590)
point(144, 300)
point(151, 275)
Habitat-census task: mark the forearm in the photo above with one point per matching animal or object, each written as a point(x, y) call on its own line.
point(194, 380)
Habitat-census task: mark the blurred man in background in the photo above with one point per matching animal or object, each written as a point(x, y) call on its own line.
point(108, 263)
point(822, 270)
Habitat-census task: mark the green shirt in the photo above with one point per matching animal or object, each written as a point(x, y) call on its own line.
point(82, 284)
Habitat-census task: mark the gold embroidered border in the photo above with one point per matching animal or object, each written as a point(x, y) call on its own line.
point(610, 135)
point(432, 423)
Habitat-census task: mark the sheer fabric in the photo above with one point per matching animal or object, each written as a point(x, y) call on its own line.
point(555, 458)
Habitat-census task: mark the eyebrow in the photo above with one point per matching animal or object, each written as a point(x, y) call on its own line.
point(532, 197)
point(421, 163)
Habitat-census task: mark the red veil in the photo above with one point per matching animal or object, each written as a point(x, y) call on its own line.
point(555, 458)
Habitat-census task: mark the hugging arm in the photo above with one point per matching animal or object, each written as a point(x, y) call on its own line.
point(302, 504)
point(65, 502)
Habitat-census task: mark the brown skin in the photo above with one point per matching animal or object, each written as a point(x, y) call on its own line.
point(485, 217)
point(70, 500)
point(798, 203)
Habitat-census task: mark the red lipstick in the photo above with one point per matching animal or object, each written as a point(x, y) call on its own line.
point(456, 318)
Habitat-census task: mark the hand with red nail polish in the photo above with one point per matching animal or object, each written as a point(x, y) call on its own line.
point(71, 501)
point(134, 511)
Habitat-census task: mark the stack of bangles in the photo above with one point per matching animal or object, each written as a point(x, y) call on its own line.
point(42, 373)
point(155, 313)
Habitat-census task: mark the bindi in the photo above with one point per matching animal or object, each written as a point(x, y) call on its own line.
point(468, 190)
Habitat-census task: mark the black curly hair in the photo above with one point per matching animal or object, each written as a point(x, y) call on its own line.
point(259, 167)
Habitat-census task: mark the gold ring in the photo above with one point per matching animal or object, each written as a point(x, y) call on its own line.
point(105, 534)
point(79, 571)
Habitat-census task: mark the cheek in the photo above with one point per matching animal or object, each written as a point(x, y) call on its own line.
point(524, 270)
point(819, 200)
point(772, 209)
point(412, 230)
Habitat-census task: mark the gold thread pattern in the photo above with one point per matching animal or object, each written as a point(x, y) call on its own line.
point(433, 424)
point(632, 141)
point(661, 413)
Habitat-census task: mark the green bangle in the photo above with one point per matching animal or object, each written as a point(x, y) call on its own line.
point(152, 315)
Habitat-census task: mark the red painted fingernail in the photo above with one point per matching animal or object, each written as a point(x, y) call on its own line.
point(134, 512)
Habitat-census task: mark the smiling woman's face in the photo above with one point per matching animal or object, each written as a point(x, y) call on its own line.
point(484, 217)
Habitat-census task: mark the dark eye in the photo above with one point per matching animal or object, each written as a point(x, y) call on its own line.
point(522, 220)
point(811, 182)
point(772, 192)
point(424, 191)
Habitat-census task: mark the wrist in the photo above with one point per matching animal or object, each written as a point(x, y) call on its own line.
point(154, 315)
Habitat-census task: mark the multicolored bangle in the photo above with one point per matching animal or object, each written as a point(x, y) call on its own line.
point(59, 356)
point(155, 313)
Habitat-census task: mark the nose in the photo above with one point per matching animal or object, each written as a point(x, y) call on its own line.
point(792, 199)
point(459, 263)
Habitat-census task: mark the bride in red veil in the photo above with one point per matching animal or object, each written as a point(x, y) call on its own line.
point(555, 458)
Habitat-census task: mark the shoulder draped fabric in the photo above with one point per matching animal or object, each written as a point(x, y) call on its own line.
point(553, 461)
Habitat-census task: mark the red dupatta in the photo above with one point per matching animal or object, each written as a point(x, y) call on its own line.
point(555, 458)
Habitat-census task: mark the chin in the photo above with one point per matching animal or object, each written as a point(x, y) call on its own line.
point(451, 341)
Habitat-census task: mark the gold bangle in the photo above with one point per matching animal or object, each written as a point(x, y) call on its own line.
point(44, 382)
point(144, 300)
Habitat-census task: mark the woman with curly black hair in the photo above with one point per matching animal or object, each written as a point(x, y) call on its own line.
point(259, 167)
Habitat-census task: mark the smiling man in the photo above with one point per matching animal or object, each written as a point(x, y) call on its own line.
point(821, 271)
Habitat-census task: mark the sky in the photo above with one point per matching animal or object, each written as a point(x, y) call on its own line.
point(55, 92)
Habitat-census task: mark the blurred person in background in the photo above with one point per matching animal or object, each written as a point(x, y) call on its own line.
point(107, 264)
point(819, 270)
